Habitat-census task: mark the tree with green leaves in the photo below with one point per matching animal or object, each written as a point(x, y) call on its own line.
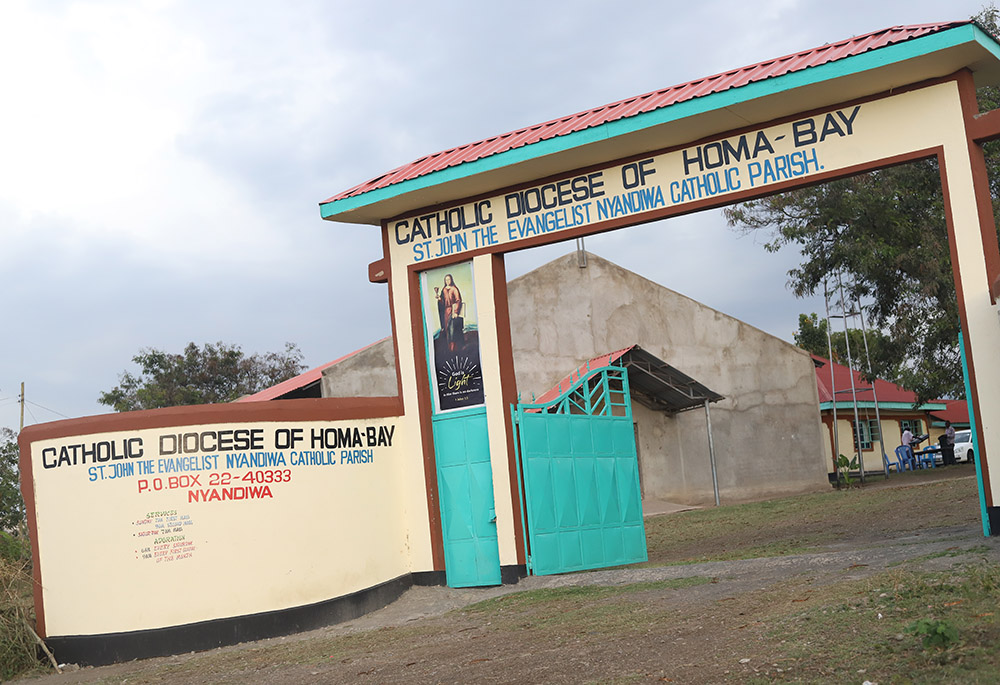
point(200, 375)
point(11, 503)
point(811, 336)
point(884, 234)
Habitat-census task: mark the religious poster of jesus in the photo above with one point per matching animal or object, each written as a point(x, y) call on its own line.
point(451, 323)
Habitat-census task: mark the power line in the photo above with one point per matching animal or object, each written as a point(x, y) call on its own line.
point(47, 409)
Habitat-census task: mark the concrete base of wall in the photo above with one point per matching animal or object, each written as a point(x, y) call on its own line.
point(110, 648)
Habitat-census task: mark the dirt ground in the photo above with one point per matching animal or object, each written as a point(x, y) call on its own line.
point(690, 623)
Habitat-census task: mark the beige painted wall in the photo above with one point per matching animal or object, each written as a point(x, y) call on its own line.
point(107, 567)
point(890, 432)
point(845, 443)
point(495, 412)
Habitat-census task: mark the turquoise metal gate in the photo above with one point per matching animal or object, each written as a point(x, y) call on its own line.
point(579, 477)
point(465, 484)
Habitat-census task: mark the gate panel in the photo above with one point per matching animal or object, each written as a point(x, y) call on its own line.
point(465, 487)
point(580, 473)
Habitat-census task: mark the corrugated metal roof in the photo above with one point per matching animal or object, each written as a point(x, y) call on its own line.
point(886, 391)
point(956, 411)
point(575, 375)
point(647, 103)
point(652, 382)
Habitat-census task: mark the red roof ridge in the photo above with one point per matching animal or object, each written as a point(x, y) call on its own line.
point(887, 391)
point(302, 380)
point(659, 99)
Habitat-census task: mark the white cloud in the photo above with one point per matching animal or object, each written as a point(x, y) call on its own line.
point(161, 161)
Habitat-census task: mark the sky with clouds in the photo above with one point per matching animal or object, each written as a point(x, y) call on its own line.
point(162, 161)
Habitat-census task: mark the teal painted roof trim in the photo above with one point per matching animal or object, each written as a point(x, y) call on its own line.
point(851, 65)
point(884, 406)
point(957, 425)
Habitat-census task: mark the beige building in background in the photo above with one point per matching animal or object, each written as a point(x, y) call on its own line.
point(766, 431)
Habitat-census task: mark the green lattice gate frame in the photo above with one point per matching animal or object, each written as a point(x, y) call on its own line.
point(579, 477)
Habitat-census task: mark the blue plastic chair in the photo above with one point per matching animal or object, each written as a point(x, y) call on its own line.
point(926, 458)
point(904, 458)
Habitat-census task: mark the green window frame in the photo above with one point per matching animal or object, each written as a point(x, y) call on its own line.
point(869, 433)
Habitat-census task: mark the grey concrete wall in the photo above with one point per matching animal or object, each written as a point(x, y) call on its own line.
point(369, 373)
point(766, 432)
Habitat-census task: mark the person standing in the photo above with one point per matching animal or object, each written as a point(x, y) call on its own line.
point(905, 440)
point(948, 444)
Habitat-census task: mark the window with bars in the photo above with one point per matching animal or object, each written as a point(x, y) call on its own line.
point(916, 426)
point(869, 433)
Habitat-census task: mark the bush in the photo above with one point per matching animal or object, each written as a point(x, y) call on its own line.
point(14, 548)
point(18, 649)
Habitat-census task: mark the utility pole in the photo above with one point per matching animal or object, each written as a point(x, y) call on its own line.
point(22, 407)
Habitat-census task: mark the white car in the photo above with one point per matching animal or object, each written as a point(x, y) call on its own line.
point(963, 446)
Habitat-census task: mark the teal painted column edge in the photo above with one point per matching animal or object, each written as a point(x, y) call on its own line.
point(975, 440)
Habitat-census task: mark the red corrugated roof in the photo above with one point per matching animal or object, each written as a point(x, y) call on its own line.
point(647, 103)
point(567, 382)
point(957, 412)
point(300, 381)
point(887, 392)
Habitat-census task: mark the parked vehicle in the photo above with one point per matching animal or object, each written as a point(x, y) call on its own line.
point(963, 446)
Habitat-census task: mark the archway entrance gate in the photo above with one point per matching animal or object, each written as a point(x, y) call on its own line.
point(225, 523)
point(887, 98)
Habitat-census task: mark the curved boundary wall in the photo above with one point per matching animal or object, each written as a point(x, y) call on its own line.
point(163, 531)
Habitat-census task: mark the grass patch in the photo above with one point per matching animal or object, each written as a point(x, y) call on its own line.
point(545, 597)
point(807, 523)
point(570, 611)
point(950, 552)
point(921, 627)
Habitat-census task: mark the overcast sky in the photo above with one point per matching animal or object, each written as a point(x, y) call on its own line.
point(161, 162)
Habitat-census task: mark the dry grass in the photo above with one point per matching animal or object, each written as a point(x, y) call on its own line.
point(18, 649)
point(793, 525)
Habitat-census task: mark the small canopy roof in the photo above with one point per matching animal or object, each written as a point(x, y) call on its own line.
point(653, 383)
